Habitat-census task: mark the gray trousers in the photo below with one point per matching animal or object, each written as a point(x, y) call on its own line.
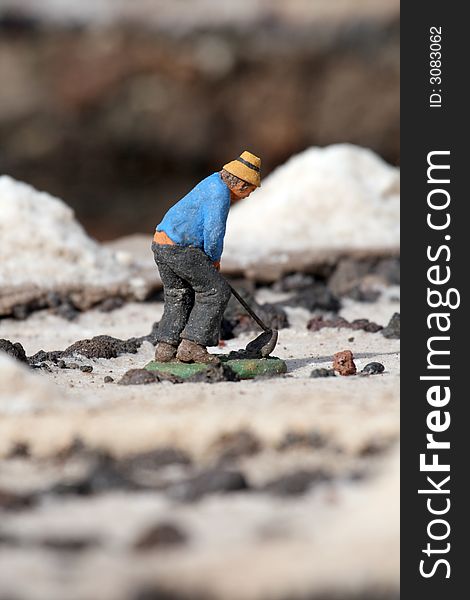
point(195, 293)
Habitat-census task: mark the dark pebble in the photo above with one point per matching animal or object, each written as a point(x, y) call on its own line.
point(158, 458)
point(144, 377)
point(392, 331)
point(348, 275)
point(311, 439)
point(14, 501)
point(373, 368)
point(364, 295)
point(322, 373)
point(375, 447)
point(318, 323)
point(103, 475)
point(61, 364)
point(161, 535)
point(111, 304)
point(21, 312)
point(316, 297)
point(294, 484)
point(214, 481)
point(231, 446)
point(67, 311)
point(108, 379)
point(20, 450)
point(366, 325)
point(86, 369)
point(214, 374)
point(64, 544)
point(388, 269)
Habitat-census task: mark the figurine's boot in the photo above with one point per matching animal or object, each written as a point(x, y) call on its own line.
point(189, 351)
point(165, 352)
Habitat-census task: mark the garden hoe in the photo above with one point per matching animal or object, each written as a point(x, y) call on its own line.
point(264, 344)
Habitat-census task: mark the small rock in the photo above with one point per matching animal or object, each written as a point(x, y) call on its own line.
point(392, 331)
point(144, 377)
point(14, 501)
point(73, 366)
point(212, 481)
point(214, 374)
point(162, 535)
point(311, 439)
point(86, 368)
point(20, 450)
point(348, 275)
point(234, 445)
point(375, 447)
point(318, 323)
point(316, 297)
point(373, 368)
point(388, 269)
point(364, 295)
point(138, 377)
point(68, 544)
point(295, 483)
point(103, 475)
point(108, 379)
point(67, 311)
point(158, 458)
point(343, 363)
point(365, 325)
point(322, 373)
point(61, 364)
point(111, 304)
point(21, 311)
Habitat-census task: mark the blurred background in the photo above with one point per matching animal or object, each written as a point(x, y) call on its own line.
point(120, 106)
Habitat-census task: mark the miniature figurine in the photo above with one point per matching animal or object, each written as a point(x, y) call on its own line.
point(187, 247)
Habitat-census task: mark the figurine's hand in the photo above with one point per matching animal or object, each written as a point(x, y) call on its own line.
point(217, 265)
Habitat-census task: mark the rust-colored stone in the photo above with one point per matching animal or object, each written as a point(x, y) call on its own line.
point(343, 362)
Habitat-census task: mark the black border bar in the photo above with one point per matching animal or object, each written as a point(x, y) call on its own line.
point(426, 128)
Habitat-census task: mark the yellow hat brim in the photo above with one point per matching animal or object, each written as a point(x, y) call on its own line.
point(242, 171)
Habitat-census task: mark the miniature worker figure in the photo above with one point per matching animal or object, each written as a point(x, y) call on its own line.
point(187, 247)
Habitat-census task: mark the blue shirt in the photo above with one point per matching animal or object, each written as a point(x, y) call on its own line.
point(199, 219)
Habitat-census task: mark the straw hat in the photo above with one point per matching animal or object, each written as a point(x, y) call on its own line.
point(246, 167)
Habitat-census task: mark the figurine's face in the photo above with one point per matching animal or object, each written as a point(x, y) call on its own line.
point(241, 190)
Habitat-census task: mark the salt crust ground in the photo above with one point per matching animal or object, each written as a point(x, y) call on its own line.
point(340, 538)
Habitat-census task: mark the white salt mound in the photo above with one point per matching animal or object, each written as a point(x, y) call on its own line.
point(43, 247)
point(321, 203)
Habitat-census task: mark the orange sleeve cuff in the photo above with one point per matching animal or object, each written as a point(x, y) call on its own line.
point(161, 237)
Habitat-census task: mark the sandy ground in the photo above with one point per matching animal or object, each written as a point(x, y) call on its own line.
point(339, 537)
